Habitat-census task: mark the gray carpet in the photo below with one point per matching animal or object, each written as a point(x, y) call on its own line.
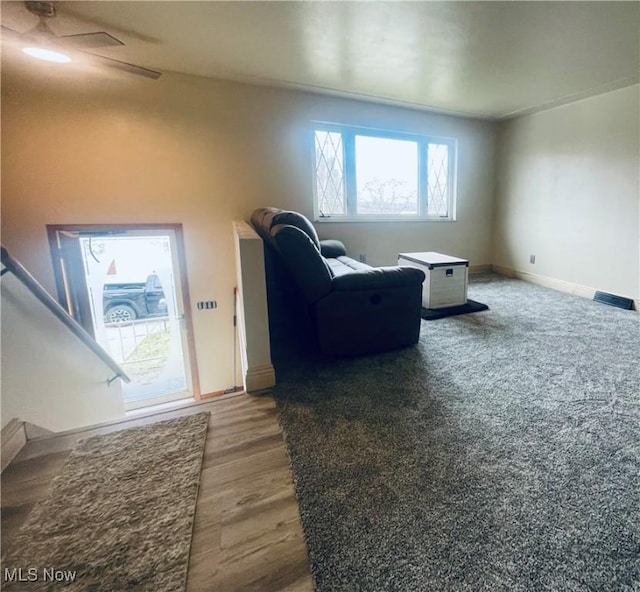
point(500, 454)
point(119, 516)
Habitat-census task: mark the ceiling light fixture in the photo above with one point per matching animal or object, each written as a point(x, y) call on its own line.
point(47, 54)
point(43, 39)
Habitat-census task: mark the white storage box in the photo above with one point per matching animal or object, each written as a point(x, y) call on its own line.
point(445, 281)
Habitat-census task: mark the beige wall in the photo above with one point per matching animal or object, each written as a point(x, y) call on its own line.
point(49, 377)
point(204, 153)
point(568, 191)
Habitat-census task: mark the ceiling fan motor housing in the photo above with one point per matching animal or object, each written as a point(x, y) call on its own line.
point(41, 9)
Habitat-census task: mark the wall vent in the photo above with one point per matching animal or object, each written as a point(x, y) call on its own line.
point(613, 300)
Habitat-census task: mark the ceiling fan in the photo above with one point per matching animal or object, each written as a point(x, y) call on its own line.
point(41, 42)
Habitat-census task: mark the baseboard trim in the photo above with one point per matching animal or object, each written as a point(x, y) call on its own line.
point(485, 268)
point(63, 441)
point(34, 431)
point(553, 283)
point(218, 394)
point(13, 440)
point(259, 378)
point(501, 270)
point(136, 417)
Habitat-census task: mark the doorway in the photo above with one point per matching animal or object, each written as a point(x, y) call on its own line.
point(126, 286)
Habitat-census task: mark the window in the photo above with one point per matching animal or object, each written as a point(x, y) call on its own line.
point(370, 174)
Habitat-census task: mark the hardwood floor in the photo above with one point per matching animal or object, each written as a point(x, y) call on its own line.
point(247, 534)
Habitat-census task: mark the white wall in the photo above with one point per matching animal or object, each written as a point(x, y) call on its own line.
point(252, 314)
point(204, 153)
point(49, 377)
point(568, 191)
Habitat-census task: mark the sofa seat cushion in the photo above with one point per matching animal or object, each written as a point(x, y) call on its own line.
point(376, 278)
point(343, 265)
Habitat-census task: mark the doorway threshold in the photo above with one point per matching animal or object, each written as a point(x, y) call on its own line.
point(175, 405)
point(154, 408)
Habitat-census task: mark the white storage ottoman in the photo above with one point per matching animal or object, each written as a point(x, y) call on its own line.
point(446, 278)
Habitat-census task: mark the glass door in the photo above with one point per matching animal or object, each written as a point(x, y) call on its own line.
point(124, 286)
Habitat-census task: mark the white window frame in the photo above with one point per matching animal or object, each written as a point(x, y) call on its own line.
point(349, 176)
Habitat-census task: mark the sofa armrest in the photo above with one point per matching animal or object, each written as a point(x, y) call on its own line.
point(377, 278)
point(332, 248)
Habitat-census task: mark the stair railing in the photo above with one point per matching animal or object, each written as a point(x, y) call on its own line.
point(13, 266)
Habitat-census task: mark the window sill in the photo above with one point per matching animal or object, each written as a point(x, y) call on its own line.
point(330, 219)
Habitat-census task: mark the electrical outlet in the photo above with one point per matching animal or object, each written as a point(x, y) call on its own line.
point(532, 259)
point(363, 258)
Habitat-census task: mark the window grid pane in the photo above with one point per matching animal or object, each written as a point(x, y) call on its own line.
point(386, 176)
point(437, 180)
point(330, 173)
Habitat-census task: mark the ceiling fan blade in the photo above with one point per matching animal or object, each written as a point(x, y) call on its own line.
point(125, 67)
point(10, 32)
point(89, 40)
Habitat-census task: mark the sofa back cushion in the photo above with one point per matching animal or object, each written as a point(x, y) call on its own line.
point(303, 258)
point(261, 220)
point(265, 219)
point(300, 222)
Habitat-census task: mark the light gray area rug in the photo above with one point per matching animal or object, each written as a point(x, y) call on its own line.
point(500, 454)
point(118, 517)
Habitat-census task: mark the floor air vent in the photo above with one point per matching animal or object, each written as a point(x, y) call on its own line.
point(612, 300)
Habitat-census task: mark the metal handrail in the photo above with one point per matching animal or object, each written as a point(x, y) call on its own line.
point(16, 268)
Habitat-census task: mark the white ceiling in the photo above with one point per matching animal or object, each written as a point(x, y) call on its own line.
point(484, 59)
